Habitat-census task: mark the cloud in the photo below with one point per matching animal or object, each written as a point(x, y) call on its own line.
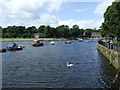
point(44, 18)
point(54, 6)
point(78, 10)
point(102, 6)
point(48, 19)
point(23, 9)
point(81, 23)
point(27, 12)
point(38, 12)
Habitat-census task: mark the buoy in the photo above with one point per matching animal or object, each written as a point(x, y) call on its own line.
point(45, 43)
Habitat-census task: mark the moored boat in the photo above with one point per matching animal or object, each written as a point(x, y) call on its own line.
point(38, 43)
point(52, 42)
point(65, 42)
point(3, 50)
point(11, 46)
point(69, 42)
point(80, 40)
point(20, 47)
point(14, 46)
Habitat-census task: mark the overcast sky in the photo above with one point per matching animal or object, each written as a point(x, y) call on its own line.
point(87, 14)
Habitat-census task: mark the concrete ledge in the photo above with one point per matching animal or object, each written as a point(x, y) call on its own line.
point(112, 55)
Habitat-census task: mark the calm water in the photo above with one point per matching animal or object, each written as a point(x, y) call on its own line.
point(46, 66)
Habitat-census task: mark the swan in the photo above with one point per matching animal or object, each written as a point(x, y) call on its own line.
point(69, 65)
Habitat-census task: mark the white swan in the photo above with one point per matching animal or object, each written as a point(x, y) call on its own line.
point(69, 65)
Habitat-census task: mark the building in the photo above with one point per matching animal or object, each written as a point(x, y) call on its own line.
point(38, 35)
point(95, 35)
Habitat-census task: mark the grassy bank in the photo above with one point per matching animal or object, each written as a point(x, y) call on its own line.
point(28, 39)
point(31, 39)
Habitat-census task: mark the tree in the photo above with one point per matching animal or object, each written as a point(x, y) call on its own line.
point(41, 29)
point(24, 35)
point(75, 31)
point(31, 30)
point(63, 30)
point(47, 31)
point(14, 35)
point(111, 24)
point(81, 32)
point(88, 33)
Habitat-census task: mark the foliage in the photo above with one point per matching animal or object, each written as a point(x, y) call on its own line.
point(111, 24)
point(62, 31)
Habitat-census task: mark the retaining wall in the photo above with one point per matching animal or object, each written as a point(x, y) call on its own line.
point(112, 55)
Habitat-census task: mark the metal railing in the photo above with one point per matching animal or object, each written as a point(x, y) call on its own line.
point(110, 46)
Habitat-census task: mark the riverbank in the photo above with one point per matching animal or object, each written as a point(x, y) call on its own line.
point(112, 55)
point(29, 39)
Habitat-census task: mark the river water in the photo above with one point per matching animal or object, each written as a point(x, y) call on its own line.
point(46, 66)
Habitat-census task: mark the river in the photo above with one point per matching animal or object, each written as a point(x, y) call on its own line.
point(46, 66)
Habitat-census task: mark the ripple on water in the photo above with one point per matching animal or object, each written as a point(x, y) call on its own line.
point(47, 66)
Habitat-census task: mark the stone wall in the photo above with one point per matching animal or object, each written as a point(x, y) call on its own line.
point(112, 55)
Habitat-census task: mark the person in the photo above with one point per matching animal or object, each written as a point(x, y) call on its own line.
point(111, 44)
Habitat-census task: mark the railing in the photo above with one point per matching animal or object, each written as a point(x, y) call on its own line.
point(110, 46)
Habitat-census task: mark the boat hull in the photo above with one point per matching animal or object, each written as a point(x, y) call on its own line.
point(3, 50)
point(65, 42)
point(37, 45)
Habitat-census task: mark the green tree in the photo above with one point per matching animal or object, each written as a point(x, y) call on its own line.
point(63, 30)
point(41, 29)
point(47, 31)
point(14, 35)
point(88, 33)
point(75, 31)
point(111, 24)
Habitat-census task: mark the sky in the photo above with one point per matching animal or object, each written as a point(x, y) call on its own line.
point(84, 13)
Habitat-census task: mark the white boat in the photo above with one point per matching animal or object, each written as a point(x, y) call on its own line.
point(52, 42)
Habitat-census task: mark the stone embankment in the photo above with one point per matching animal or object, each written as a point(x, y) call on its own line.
point(112, 55)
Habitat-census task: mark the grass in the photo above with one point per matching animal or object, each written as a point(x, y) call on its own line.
point(27, 39)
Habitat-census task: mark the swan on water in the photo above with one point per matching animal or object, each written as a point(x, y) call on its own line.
point(69, 65)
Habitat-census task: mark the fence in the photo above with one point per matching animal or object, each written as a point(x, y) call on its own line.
point(110, 46)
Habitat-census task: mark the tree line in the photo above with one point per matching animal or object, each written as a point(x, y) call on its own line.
point(111, 25)
point(62, 31)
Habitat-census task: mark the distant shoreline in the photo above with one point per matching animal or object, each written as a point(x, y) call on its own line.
point(26, 39)
point(32, 39)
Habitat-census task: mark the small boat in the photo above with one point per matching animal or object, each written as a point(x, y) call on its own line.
point(11, 46)
point(81, 40)
point(52, 42)
point(38, 43)
point(19, 47)
point(14, 46)
point(69, 42)
point(65, 42)
point(3, 50)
